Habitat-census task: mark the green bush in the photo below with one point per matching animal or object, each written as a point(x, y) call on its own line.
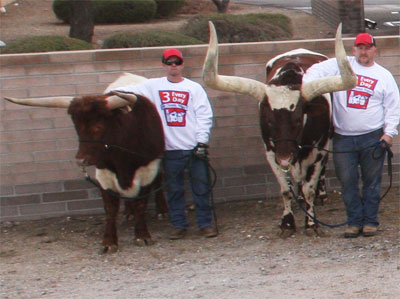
point(150, 38)
point(111, 11)
point(167, 8)
point(240, 28)
point(46, 43)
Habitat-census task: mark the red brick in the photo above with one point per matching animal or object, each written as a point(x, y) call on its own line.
point(12, 125)
point(51, 91)
point(65, 196)
point(78, 79)
point(54, 155)
point(19, 200)
point(97, 67)
point(91, 89)
point(38, 188)
point(23, 59)
point(6, 213)
point(231, 191)
point(14, 115)
point(63, 122)
point(6, 190)
point(115, 54)
point(16, 158)
point(71, 57)
point(85, 204)
point(12, 70)
point(31, 146)
point(77, 185)
point(27, 81)
point(67, 174)
point(54, 208)
point(49, 69)
point(59, 133)
point(68, 144)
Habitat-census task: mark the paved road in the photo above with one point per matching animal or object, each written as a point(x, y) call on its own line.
point(386, 13)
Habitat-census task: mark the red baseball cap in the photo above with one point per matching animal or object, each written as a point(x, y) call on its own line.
point(172, 52)
point(364, 39)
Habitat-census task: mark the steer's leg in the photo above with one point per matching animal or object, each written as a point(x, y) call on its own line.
point(142, 235)
point(309, 191)
point(321, 196)
point(111, 207)
point(161, 201)
point(288, 224)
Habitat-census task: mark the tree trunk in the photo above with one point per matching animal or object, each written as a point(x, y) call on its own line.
point(222, 5)
point(81, 22)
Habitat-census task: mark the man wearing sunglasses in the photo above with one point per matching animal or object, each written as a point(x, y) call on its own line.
point(186, 115)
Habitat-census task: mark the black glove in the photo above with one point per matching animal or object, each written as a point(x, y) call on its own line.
point(201, 150)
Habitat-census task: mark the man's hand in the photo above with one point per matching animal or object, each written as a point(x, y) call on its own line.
point(387, 139)
point(201, 150)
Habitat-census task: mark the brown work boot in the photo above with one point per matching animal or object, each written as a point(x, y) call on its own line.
point(208, 232)
point(369, 230)
point(178, 233)
point(351, 232)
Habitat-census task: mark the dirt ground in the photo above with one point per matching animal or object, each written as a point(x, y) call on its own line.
point(25, 18)
point(58, 258)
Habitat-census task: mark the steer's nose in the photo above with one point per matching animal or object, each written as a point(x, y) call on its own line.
point(284, 162)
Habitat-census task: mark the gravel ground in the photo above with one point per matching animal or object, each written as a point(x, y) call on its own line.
point(58, 258)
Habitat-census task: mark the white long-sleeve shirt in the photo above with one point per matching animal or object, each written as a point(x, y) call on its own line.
point(184, 109)
point(374, 103)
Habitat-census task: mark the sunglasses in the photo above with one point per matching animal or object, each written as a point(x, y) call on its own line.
point(173, 61)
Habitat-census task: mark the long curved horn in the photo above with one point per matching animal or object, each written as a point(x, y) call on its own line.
point(346, 81)
point(227, 83)
point(116, 99)
point(50, 102)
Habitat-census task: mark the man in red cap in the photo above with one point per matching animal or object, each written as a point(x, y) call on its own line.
point(365, 121)
point(186, 115)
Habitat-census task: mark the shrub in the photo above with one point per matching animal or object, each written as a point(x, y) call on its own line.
point(150, 38)
point(166, 8)
point(46, 43)
point(111, 11)
point(240, 28)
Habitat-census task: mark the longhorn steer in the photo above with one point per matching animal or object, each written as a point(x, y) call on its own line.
point(295, 118)
point(125, 146)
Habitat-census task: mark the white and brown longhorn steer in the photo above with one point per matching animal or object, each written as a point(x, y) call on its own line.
point(124, 144)
point(295, 118)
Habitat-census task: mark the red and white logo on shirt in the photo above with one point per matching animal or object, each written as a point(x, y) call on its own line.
point(174, 105)
point(359, 96)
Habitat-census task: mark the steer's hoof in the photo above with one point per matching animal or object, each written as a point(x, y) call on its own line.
point(315, 232)
point(108, 249)
point(143, 242)
point(286, 233)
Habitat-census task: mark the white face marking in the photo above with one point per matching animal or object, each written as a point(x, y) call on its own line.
point(143, 177)
point(281, 97)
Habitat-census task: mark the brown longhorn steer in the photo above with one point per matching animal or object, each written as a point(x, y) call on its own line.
point(295, 118)
point(125, 145)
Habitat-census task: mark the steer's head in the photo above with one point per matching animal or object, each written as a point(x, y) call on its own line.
point(284, 103)
point(90, 115)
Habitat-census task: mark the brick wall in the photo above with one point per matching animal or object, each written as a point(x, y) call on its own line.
point(38, 175)
point(349, 12)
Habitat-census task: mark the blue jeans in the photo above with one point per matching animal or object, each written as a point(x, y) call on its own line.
point(362, 209)
point(175, 163)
